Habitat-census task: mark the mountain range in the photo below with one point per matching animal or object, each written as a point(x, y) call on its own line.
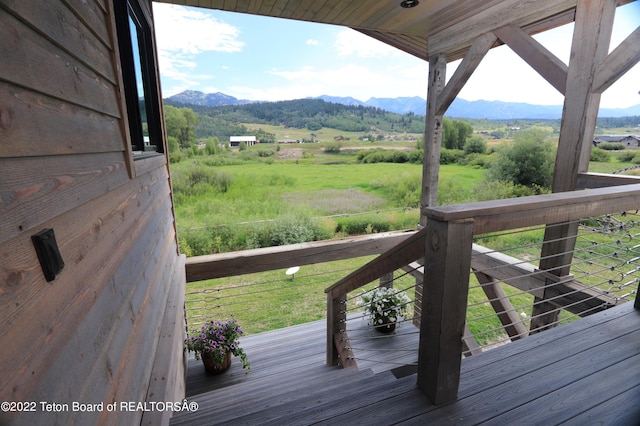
point(460, 108)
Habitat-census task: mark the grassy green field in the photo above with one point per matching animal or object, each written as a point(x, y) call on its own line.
point(327, 134)
point(302, 179)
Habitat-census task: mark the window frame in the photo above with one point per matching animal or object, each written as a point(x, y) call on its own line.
point(127, 12)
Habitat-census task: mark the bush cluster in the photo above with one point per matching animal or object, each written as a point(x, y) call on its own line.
point(198, 181)
point(451, 156)
point(599, 155)
point(629, 156)
point(290, 229)
point(529, 161)
point(382, 156)
point(360, 225)
point(611, 146)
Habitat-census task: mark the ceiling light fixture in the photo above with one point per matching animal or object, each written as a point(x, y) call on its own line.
point(409, 3)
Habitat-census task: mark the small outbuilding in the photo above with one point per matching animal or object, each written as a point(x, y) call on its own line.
point(235, 141)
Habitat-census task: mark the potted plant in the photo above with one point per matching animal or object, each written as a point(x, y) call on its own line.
point(215, 343)
point(384, 305)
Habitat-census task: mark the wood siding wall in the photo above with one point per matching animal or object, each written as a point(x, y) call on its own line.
point(91, 335)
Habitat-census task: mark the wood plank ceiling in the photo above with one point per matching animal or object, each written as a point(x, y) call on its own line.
point(453, 24)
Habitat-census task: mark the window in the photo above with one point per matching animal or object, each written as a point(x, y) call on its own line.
point(135, 42)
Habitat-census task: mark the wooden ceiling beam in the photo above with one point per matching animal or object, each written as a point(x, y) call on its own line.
point(536, 55)
point(514, 12)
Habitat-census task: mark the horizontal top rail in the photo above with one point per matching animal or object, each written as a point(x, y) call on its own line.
point(604, 180)
point(512, 213)
point(220, 265)
point(409, 250)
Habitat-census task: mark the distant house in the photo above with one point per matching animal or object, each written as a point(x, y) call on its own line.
point(631, 141)
point(236, 140)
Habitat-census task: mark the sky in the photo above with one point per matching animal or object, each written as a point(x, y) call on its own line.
point(270, 59)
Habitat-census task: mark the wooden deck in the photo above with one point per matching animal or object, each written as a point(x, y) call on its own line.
point(586, 372)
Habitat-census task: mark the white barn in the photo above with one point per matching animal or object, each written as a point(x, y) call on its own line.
point(236, 140)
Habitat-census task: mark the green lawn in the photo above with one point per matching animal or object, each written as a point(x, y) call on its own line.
point(303, 179)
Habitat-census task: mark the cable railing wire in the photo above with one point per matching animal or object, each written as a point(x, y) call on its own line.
point(605, 262)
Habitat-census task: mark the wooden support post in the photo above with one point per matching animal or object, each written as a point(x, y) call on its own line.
point(507, 314)
point(336, 322)
point(432, 134)
point(447, 268)
point(591, 37)
point(386, 280)
point(469, 344)
point(345, 353)
point(417, 300)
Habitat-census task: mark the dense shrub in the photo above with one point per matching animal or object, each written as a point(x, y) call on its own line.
point(370, 156)
point(529, 161)
point(175, 157)
point(599, 155)
point(451, 156)
point(265, 152)
point(295, 228)
point(477, 160)
point(451, 191)
point(626, 156)
point(333, 148)
point(199, 180)
point(198, 242)
point(476, 144)
point(359, 225)
point(382, 156)
point(403, 190)
point(611, 146)
point(416, 156)
point(290, 229)
point(496, 190)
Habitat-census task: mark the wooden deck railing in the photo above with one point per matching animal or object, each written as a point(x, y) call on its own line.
point(446, 244)
point(199, 268)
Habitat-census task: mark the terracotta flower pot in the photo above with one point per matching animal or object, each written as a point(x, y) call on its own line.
point(212, 366)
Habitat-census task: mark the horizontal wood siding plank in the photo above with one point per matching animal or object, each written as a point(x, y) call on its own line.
point(51, 70)
point(32, 124)
point(89, 363)
point(63, 183)
point(167, 376)
point(93, 15)
point(69, 32)
point(81, 232)
point(146, 165)
point(45, 315)
point(132, 375)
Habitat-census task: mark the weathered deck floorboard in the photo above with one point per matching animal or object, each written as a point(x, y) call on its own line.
point(585, 372)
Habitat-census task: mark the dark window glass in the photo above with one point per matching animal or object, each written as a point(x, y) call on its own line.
point(139, 78)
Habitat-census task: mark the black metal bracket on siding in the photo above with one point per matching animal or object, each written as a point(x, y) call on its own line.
point(48, 253)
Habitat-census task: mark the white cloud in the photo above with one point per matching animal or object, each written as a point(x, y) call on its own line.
point(312, 42)
point(350, 42)
point(348, 80)
point(182, 34)
point(189, 32)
